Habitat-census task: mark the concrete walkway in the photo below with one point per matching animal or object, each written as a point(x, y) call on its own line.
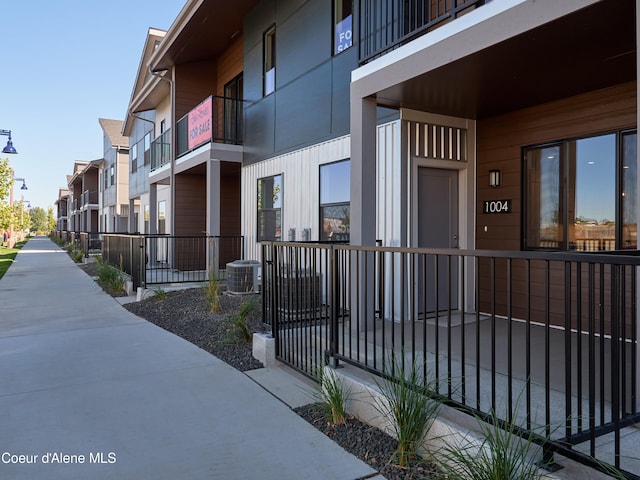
point(88, 390)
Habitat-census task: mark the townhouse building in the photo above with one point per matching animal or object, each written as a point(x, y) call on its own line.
point(465, 125)
point(114, 180)
point(147, 125)
point(62, 209)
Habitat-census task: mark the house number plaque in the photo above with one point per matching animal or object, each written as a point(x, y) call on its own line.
point(496, 206)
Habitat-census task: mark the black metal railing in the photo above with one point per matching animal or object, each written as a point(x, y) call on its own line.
point(226, 125)
point(179, 259)
point(89, 197)
point(164, 259)
point(90, 242)
point(548, 340)
point(383, 25)
point(161, 150)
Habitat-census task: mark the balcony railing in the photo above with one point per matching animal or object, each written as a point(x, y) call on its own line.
point(161, 150)
point(216, 119)
point(89, 197)
point(386, 24)
point(545, 340)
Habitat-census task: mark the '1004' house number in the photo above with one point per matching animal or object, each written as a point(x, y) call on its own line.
point(496, 206)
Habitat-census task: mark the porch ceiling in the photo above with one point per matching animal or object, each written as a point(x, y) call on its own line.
point(591, 49)
point(204, 32)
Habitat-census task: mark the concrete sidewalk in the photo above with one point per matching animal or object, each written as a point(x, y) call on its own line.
point(88, 390)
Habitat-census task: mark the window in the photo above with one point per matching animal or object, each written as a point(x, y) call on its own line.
point(147, 216)
point(134, 158)
point(342, 25)
point(233, 110)
point(580, 194)
point(147, 148)
point(162, 217)
point(163, 126)
point(112, 174)
point(334, 201)
point(269, 67)
point(270, 208)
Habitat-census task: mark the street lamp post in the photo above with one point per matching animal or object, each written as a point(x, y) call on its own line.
point(9, 148)
point(12, 239)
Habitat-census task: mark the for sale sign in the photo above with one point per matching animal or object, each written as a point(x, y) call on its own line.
point(200, 124)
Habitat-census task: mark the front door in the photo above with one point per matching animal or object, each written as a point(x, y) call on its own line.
point(438, 228)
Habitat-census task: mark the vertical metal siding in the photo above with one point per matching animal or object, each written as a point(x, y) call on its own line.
point(301, 202)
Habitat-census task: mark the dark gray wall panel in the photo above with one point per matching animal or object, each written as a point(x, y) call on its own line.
point(302, 122)
point(343, 64)
point(303, 41)
point(259, 129)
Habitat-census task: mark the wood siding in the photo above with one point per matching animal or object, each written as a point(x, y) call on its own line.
point(191, 202)
point(500, 141)
point(194, 83)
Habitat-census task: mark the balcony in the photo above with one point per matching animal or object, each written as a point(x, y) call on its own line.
point(89, 197)
point(387, 24)
point(215, 120)
point(161, 150)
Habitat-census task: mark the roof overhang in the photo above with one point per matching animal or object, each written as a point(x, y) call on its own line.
point(202, 30)
point(588, 49)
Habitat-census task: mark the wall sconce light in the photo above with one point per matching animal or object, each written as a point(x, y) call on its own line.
point(494, 178)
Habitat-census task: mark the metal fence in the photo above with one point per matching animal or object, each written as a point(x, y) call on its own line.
point(164, 259)
point(546, 340)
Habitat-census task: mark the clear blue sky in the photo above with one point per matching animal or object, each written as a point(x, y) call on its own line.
point(66, 63)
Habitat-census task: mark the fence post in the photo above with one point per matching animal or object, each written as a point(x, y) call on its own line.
point(333, 307)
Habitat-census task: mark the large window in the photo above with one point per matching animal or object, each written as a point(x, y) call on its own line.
point(342, 25)
point(269, 66)
point(334, 201)
point(270, 208)
point(580, 194)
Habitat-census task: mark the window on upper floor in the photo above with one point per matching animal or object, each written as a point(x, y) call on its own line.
point(163, 126)
point(581, 194)
point(112, 175)
point(335, 206)
point(133, 158)
point(342, 25)
point(270, 208)
point(147, 148)
point(233, 114)
point(269, 61)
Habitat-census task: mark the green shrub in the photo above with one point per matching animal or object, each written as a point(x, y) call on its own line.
point(111, 278)
point(212, 292)
point(240, 322)
point(332, 395)
point(77, 256)
point(500, 454)
point(408, 405)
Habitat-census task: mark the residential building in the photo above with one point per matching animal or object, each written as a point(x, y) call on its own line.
point(114, 183)
point(147, 126)
point(62, 209)
point(83, 196)
point(463, 125)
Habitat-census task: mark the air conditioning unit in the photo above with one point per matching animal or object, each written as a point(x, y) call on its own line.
point(243, 276)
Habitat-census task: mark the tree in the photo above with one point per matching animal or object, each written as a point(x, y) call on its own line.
point(39, 221)
point(51, 220)
point(6, 182)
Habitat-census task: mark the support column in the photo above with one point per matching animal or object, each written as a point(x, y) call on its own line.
point(213, 215)
point(213, 197)
point(153, 209)
point(363, 206)
point(132, 218)
point(363, 171)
